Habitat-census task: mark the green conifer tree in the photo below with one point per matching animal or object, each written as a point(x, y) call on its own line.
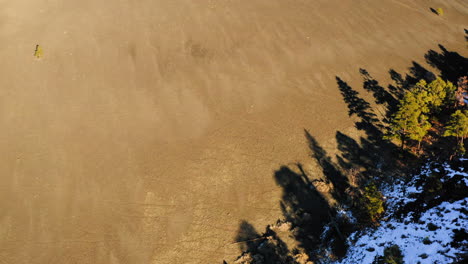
point(373, 202)
point(439, 93)
point(458, 127)
point(410, 121)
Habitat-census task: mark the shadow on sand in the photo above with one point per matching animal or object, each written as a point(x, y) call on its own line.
point(315, 223)
point(261, 248)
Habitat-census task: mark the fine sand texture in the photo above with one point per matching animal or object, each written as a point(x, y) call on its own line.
point(150, 129)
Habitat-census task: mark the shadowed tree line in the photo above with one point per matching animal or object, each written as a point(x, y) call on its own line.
point(451, 64)
point(381, 95)
point(367, 154)
point(357, 163)
point(306, 212)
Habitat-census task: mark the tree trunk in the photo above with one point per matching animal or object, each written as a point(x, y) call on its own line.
point(462, 146)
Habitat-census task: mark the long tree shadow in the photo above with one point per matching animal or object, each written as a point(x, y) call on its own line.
point(302, 202)
point(416, 73)
point(356, 105)
point(342, 191)
point(329, 169)
point(361, 108)
point(381, 95)
point(450, 64)
point(308, 212)
point(352, 156)
point(304, 208)
point(261, 248)
point(401, 84)
point(247, 236)
point(372, 155)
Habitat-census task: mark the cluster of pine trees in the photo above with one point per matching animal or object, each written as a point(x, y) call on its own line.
point(426, 102)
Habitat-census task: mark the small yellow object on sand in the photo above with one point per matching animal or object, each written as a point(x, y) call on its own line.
point(38, 53)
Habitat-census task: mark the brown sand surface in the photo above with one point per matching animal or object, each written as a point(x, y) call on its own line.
point(151, 128)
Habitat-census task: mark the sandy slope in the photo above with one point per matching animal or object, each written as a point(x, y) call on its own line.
point(151, 128)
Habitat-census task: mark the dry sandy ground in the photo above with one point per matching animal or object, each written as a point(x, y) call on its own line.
point(151, 128)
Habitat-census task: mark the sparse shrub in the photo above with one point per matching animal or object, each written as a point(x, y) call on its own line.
point(432, 227)
point(38, 53)
point(392, 255)
point(427, 241)
point(433, 184)
point(460, 237)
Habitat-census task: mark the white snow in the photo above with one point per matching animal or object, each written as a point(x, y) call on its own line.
point(417, 243)
point(344, 212)
point(452, 173)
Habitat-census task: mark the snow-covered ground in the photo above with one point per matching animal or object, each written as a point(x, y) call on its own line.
point(426, 239)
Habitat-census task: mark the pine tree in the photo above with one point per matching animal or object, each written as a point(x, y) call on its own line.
point(410, 121)
point(440, 93)
point(373, 203)
point(458, 127)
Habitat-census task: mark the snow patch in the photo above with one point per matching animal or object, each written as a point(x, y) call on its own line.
point(426, 240)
